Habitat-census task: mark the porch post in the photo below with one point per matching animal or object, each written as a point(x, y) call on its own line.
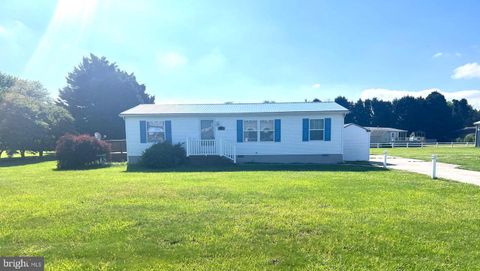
point(220, 147)
point(234, 153)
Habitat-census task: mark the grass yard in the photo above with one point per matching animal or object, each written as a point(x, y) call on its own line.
point(466, 157)
point(242, 218)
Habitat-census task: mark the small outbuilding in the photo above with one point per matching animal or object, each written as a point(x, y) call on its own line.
point(386, 134)
point(356, 143)
point(477, 134)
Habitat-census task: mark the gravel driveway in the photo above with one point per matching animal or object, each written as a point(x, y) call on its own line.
point(444, 171)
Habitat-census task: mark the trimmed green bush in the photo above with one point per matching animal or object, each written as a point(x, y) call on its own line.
point(163, 155)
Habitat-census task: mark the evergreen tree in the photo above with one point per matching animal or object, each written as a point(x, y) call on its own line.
point(97, 92)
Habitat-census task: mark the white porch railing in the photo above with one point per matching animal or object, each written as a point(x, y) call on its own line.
point(211, 147)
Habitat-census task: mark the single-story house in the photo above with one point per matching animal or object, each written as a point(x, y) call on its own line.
point(247, 132)
point(477, 134)
point(386, 134)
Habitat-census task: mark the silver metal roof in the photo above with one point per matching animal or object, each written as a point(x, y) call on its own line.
point(353, 124)
point(232, 108)
point(386, 129)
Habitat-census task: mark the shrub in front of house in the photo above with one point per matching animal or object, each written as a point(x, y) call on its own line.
point(81, 151)
point(164, 155)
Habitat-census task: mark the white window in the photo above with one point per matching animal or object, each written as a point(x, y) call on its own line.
point(266, 130)
point(316, 130)
point(250, 131)
point(155, 131)
point(254, 130)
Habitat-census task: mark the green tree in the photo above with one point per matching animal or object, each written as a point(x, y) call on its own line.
point(409, 113)
point(382, 113)
point(438, 117)
point(97, 92)
point(463, 114)
point(29, 119)
point(341, 100)
point(6, 81)
point(361, 113)
point(59, 122)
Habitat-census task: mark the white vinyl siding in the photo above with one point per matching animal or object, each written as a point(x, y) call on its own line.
point(184, 127)
point(356, 144)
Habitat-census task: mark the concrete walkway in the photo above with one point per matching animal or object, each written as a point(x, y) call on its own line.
point(444, 171)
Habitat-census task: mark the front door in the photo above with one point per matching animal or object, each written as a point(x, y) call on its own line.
point(207, 135)
point(207, 131)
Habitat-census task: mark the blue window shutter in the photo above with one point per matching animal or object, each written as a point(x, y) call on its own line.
point(239, 130)
point(278, 129)
point(328, 129)
point(306, 124)
point(168, 131)
point(143, 131)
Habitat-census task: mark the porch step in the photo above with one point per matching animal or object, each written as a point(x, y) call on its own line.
point(211, 147)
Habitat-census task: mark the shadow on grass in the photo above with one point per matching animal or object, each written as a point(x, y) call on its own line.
point(18, 161)
point(90, 167)
point(353, 167)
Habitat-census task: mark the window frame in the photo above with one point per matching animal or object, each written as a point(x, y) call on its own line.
point(246, 131)
point(316, 129)
point(147, 126)
point(258, 131)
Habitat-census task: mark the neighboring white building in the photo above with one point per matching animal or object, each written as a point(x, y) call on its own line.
point(387, 134)
point(255, 132)
point(356, 143)
point(477, 134)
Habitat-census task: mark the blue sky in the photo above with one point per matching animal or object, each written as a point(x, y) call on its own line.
point(247, 51)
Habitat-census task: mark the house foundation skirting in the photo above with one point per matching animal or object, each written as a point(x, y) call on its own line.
point(292, 158)
point(279, 158)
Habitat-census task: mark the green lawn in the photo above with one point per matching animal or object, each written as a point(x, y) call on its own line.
point(466, 157)
point(242, 218)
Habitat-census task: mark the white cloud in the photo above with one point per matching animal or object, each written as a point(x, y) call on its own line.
point(473, 96)
point(170, 61)
point(211, 62)
point(13, 30)
point(446, 54)
point(316, 85)
point(3, 30)
point(467, 71)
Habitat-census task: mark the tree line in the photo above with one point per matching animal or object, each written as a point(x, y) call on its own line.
point(95, 93)
point(433, 115)
point(97, 90)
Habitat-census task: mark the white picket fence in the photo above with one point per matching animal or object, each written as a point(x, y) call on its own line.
point(220, 147)
point(421, 144)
